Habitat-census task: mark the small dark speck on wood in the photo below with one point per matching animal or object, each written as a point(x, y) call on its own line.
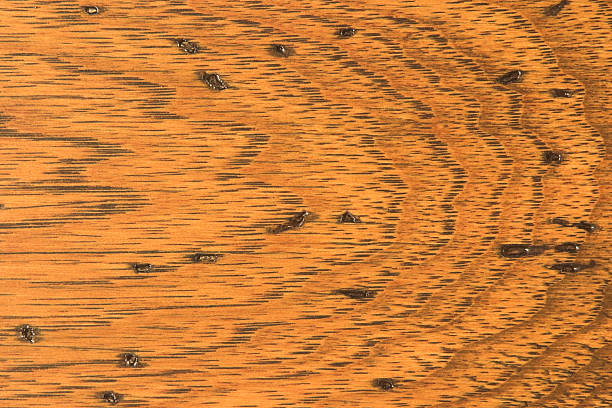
point(570, 247)
point(556, 8)
point(584, 225)
point(561, 93)
point(142, 267)
point(111, 397)
point(552, 157)
point(214, 81)
point(384, 383)
point(561, 221)
point(130, 360)
point(587, 226)
point(357, 293)
point(295, 222)
point(521, 250)
point(281, 50)
point(572, 267)
point(511, 77)
point(346, 32)
point(209, 258)
point(347, 217)
point(187, 46)
point(28, 333)
point(91, 10)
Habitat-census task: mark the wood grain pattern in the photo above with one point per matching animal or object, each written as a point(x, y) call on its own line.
point(114, 152)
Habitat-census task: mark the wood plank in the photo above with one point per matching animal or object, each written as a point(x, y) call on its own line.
point(116, 151)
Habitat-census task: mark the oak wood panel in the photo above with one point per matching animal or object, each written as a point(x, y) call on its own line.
point(115, 152)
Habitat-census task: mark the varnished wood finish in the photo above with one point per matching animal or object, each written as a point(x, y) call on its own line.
point(116, 153)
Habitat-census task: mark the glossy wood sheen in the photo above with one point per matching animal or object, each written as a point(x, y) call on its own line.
point(115, 153)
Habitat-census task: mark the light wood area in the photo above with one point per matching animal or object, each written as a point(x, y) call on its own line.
point(115, 152)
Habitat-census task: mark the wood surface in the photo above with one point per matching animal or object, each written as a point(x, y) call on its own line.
point(115, 152)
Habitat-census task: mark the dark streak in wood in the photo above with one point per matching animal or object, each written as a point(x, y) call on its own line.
point(142, 267)
point(561, 221)
point(295, 222)
point(521, 250)
point(555, 8)
point(587, 226)
point(583, 225)
point(511, 77)
point(214, 81)
point(572, 267)
point(561, 93)
point(570, 247)
point(357, 293)
point(202, 257)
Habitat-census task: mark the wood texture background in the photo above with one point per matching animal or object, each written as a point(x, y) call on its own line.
point(113, 151)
